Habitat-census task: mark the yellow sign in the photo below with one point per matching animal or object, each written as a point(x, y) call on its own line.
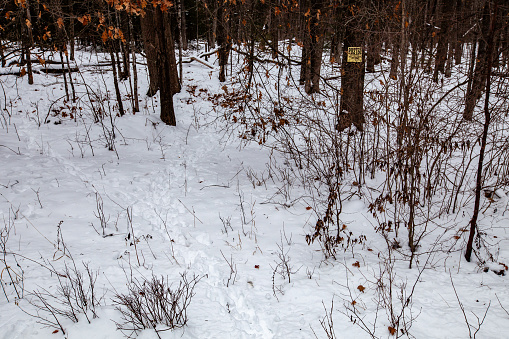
point(354, 54)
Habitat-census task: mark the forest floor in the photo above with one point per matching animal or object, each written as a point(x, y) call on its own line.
point(160, 201)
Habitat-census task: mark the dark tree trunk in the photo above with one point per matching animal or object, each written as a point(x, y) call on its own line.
point(70, 5)
point(505, 46)
point(312, 47)
point(352, 83)
point(136, 106)
point(115, 81)
point(180, 39)
point(316, 64)
point(157, 35)
point(170, 55)
point(149, 44)
point(334, 47)
point(458, 31)
point(305, 61)
point(223, 41)
point(458, 52)
point(2, 55)
point(373, 52)
point(478, 79)
point(273, 32)
point(28, 44)
point(316, 36)
point(393, 74)
point(183, 25)
point(443, 37)
point(487, 119)
point(166, 65)
point(126, 72)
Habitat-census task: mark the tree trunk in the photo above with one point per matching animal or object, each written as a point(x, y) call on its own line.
point(166, 65)
point(149, 43)
point(153, 40)
point(223, 41)
point(62, 64)
point(458, 31)
point(183, 27)
point(115, 81)
point(70, 4)
point(170, 55)
point(28, 44)
point(393, 74)
point(2, 55)
point(316, 64)
point(487, 120)
point(136, 106)
point(316, 37)
point(352, 83)
point(181, 39)
point(305, 60)
point(505, 46)
point(373, 51)
point(443, 38)
point(479, 76)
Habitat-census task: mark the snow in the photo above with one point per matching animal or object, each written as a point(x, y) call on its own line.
point(196, 208)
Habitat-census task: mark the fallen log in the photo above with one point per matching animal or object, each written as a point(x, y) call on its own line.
point(197, 59)
point(51, 70)
point(209, 53)
point(16, 72)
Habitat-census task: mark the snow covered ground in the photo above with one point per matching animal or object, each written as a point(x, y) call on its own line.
point(196, 202)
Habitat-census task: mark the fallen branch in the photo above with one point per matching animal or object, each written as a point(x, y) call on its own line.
point(203, 62)
point(257, 59)
point(193, 58)
point(209, 53)
point(59, 70)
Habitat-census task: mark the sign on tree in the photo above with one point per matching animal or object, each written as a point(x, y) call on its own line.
point(354, 54)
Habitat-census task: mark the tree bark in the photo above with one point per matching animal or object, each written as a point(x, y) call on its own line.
point(167, 67)
point(487, 120)
point(443, 37)
point(115, 81)
point(183, 25)
point(479, 77)
point(352, 83)
point(305, 60)
point(136, 105)
point(170, 54)
point(316, 37)
point(149, 43)
point(181, 39)
point(28, 44)
point(157, 36)
point(70, 5)
point(393, 73)
point(223, 41)
point(374, 50)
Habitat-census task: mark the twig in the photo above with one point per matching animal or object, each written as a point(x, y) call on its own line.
point(129, 211)
point(192, 213)
point(233, 269)
point(501, 305)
